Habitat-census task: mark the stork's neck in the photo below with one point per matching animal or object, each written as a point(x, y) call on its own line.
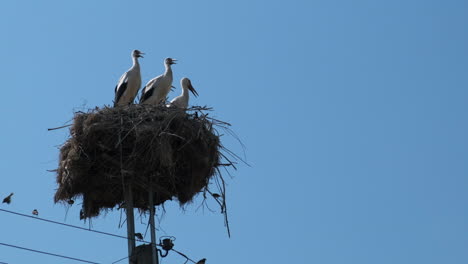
point(184, 91)
point(136, 64)
point(168, 71)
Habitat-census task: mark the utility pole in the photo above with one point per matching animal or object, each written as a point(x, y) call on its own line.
point(130, 223)
point(154, 252)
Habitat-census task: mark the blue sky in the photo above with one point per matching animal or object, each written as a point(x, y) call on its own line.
point(354, 115)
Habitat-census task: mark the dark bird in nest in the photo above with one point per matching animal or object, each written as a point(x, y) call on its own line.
point(8, 199)
point(35, 212)
point(70, 202)
point(201, 261)
point(139, 236)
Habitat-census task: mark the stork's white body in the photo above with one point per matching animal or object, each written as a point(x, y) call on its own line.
point(156, 89)
point(128, 85)
point(182, 100)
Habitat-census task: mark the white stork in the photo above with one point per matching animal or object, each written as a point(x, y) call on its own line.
point(182, 100)
point(129, 83)
point(156, 89)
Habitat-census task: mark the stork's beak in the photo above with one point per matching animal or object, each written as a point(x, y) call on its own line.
point(190, 87)
point(174, 61)
point(140, 55)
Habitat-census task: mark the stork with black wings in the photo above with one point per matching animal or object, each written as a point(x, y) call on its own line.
point(129, 83)
point(156, 89)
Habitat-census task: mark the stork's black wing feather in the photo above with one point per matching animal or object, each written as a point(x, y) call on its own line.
point(147, 94)
point(119, 91)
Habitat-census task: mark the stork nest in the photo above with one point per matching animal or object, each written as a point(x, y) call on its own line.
point(168, 151)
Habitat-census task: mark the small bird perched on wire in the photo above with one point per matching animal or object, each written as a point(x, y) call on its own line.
point(129, 83)
point(182, 100)
point(139, 236)
point(201, 261)
point(7, 199)
point(35, 212)
point(156, 89)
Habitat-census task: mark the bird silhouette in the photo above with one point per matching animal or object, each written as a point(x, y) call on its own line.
point(8, 199)
point(35, 212)
point(139, 236)
point(201, 261)
point(216, 196)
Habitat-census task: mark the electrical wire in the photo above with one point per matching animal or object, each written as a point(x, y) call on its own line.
point(72, 226)
point(183, 255)
point(117, 261)
point(48, 253)
point(80, 228)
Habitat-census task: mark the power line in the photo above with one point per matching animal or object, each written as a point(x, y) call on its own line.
point(72, 226)
point(117, 261)
point(47, 253)
point(85, 229)
point(183, 255)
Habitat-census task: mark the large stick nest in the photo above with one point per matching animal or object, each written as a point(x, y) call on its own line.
point(169, 151)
